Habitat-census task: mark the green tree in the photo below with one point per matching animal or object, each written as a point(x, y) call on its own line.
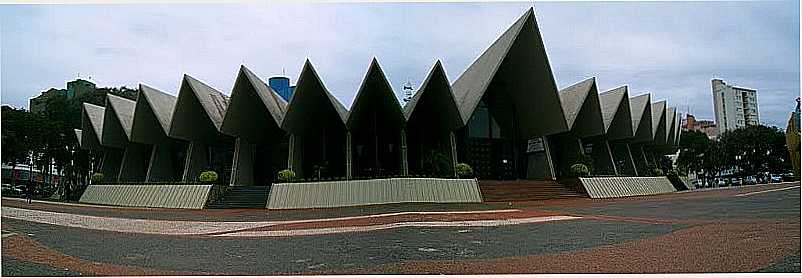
point(693, 146)
point(755, 149)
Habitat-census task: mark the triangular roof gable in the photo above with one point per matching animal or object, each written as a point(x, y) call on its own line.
point(117, 120)
point(573, 99)
point(78, 137)
point(91, 125)
point(642, 117)
point(375, 87)
point(161, 103)
point(154, 110)
point(207, 101)
point(617, 113)
point(473, 83)
point(677, 129)
point(582, 109)
point(251, 103)
point(671, 116)
point(659, 122)
point(309, 85)
point(436, 86)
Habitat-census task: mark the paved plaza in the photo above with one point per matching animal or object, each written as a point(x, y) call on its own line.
point(744, 229)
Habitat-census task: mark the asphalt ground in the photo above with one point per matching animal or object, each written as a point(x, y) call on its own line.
point(710, 231)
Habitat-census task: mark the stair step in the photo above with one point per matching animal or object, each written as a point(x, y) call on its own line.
point(525, 190)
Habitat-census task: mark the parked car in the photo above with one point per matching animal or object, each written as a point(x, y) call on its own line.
point(721, 183)
point(750, 180)
point(775, 178)
point(11, 190)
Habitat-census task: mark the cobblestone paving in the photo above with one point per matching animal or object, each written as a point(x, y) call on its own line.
point(608, 233)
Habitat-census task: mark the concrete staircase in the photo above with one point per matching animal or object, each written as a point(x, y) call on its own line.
point(243, 197)
point(526, 190)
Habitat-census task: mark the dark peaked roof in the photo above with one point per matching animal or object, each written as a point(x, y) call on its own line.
point(616, 113)
point(92, 124)
point(251, 106)
point(196, 99)
point(642, 117)
point(573, 98)
point(309, 90)
point(78, 136)
point(580, 102)
point(659, 122)
point(213, 101)
point(518, 53)
point(671, 117)
point(375, 93)
point(117, 121)
point(435, 92)
point(161, 104)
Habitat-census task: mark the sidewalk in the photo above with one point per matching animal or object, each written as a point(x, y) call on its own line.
point(483, 218)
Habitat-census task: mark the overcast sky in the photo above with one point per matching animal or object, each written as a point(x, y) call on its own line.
point(671, 49)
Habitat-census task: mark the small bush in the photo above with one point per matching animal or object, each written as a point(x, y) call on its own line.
point(580, 170)
point(657, 171)
point(286, 175)
point(208, 176)
point(464, 170)
point(97, 178)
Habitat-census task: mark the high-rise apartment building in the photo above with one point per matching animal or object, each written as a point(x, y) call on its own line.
point(735, 107)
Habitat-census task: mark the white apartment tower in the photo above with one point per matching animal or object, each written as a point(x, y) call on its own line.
point(735, 107)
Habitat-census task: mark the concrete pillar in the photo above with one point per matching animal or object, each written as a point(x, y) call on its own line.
point(196, 160)
point(549, 162)
point(404, 164)
point(187, 162)
point(291, 153)
point(349, 163)
point(242, 170)
point(581, 147)
point(152, 160)
point(632, 160)
point(612, 158)
point(453, 141)
point(123, 164)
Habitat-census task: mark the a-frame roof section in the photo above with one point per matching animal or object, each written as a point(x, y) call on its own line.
point(580, 102)
point(152, 116)
point(198, 112)
point(519, 57)
point(254, 110)
point(117, 121)
point(375, 93)
point(309, 91)
point(677, 130)
point(91, 125)
point(642, 117)
point(435, 95)
point(616, 113)
point(78, 136)
point(671, 117)
point(659, 122)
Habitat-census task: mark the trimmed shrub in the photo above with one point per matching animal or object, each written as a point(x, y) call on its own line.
point(97, 178)
point(464, 170)
point(580, 170)
point(286, 175)
point(657, 171)
point(208, 176)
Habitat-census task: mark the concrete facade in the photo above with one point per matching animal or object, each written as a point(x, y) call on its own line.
point(734, 107)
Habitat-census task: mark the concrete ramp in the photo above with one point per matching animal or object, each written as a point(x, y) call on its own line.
point(614, 187)
point(187, 196)
point(370, 192)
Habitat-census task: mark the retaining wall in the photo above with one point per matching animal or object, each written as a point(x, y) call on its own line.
point(188, 196)
point(368, 192)
point(613, 187)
